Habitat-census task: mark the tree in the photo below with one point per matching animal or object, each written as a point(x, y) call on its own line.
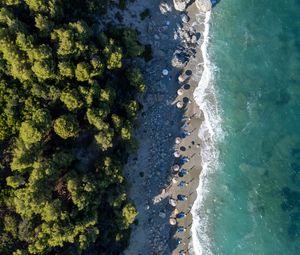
point(129, 214)
point(81, 29)
point(10, 225)
point(132, 109)
point(43, 24)
point(117, 121)
point(15, 181)
point(83, 190)
point(66, 69)
point(42, 119)
point(58, 194)
point(126, 131)
point(52, 211)
point(133, 47)
point(83, 71)
point(136, 79)
point(66, 126)
point(37, 5)
point(114, 60)
point(107, 95)
point(98, 68)
point(65, 40)
point(20, 252)
point(43, 52)
point(94, 118)
point(71, 99)
point(29, 133)
point(24, 42)
point(104, 139)
point(43, 69)
point(7, 126)
point(23, 158)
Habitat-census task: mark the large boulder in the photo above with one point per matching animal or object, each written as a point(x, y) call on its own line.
point(204, 5)
point(180, 5)
point(179, 59)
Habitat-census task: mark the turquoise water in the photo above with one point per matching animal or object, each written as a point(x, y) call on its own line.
point(253, 206)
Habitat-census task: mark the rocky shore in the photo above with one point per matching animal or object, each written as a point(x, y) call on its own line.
point(174, 31)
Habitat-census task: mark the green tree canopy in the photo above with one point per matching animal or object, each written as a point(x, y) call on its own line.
point(66, 126)
point(133, 47)
point(136, 79)
point(104, 140)
point(129, 214)
point(71, 99)
point(63, 76)
point(29, 133)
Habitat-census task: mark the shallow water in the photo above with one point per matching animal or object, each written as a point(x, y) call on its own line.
point(252, 205)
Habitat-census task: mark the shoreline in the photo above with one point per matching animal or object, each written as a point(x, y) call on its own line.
point(149, 170)
point(192, 142)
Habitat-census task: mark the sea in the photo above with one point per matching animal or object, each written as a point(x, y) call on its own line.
point(249, 193)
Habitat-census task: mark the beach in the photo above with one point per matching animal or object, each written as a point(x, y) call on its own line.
point(243, 140)
point(169, 113)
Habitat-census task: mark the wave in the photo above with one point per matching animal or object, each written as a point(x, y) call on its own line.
point(209, 133)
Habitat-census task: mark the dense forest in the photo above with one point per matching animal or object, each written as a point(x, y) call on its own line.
point(67, 109)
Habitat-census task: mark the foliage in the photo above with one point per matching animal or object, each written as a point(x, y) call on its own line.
point(67, 109)
point(136, 79)
point(126, 132)
point(133, 47)
point(66, 126)
point(132, 109)
point(104, 140)
point(114, 60)
point(71, 99)
point(129, 213)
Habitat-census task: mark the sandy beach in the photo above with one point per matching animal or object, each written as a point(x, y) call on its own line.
point(169, 112)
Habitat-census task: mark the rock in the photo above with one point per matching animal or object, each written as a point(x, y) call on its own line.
point(160, 53)
point(156, 37)
point(164, 36)
point(179, 59)
point(150, 27)
point(184, 18)
point(204, 5)
point(180, 5)
point(194, 39)
point(164, 8)
point(162, 215)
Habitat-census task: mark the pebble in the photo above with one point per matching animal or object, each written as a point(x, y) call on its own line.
point(184, 18)
point(164, 8)
point(162, 215)
point(194, 39)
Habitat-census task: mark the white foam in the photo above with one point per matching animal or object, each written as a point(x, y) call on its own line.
point(210, 132)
